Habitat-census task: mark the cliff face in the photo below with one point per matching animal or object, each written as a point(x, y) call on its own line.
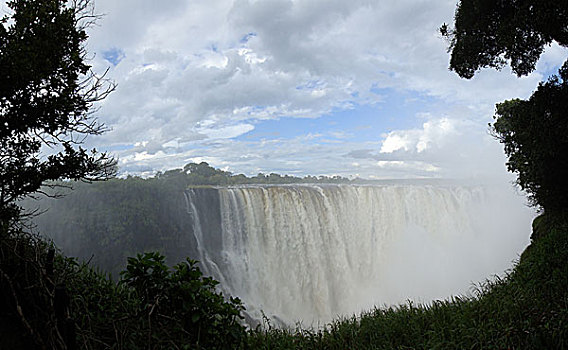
point(107, 222)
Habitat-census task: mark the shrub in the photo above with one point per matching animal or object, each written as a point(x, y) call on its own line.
point(181, 305)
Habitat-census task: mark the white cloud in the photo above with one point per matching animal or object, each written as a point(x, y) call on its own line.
point(225, 132)
point(407, 166)
point(397, 140)
point(235, 62)
point(442, 147)
point(433, 133)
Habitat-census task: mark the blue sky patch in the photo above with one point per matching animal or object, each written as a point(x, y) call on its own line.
point(247, 37)
point(361, 123)
point(114, 56)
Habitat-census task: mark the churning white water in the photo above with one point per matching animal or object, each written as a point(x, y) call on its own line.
point(309, 253)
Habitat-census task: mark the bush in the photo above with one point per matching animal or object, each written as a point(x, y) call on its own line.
point(27, 316)
point(182, 305)
point(152, 307)
point(49, 301)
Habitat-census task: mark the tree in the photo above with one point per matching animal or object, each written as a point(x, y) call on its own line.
point(203, 169)
point(47, 93)
point(534, 132)
point(489, 33)
point(535, 135)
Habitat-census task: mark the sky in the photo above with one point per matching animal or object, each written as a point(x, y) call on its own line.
point(357, 88)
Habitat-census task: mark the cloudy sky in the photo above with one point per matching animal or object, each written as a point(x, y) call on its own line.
point(353, 88)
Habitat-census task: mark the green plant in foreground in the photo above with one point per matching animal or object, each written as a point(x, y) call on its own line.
point(183, 304)
point(153, 307)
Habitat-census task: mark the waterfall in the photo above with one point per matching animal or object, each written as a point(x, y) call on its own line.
point(310, 253)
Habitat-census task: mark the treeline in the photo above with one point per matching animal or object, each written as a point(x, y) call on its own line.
point(204, 174)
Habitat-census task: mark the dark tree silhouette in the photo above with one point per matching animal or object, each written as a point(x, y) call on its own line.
point(535, 135)
point(490, 33)
point(47, 92)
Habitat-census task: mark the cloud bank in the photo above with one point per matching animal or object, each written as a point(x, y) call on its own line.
point(199, 80)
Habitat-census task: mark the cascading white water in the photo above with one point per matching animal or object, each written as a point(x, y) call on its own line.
point(310, 253)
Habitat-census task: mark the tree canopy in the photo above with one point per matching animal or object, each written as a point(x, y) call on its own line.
point(534, 132)
point(535, 135)
point(489, 33)
point(47, 92)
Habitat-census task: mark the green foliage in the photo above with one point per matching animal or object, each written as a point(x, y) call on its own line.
point(105, 312)
point(490, 33)
point(183, 305)
point(27, 317)
point(153, 307)
point(203, 174)
point(534, 132)
point(46, 95)
point(535, 135)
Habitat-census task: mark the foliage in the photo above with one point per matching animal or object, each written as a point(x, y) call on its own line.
point(27, 315)
point(183, 306)
point(153, 307)
point(194, 174)
point(490, 33)
point(534, 132)
point(535, 135)
point(46, 97)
